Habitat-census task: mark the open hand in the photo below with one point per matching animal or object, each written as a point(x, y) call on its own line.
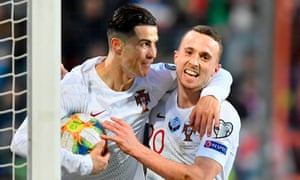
point(124, 135)
point(205, 114)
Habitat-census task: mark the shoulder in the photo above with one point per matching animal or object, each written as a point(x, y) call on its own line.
point(80, 74)
point(161, 78)
point(161, 74)
point(229, 123)
point(74, 88)
point(163, 68)
point(228, 110)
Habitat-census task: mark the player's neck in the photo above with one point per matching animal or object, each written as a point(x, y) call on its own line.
point(186, 98)
point(112, 75)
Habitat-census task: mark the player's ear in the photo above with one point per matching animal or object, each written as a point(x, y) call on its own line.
point(175, 56)
point(116, 44)
point(217, 69)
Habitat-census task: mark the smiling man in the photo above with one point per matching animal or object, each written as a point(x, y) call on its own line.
point(176, 150)
point(124, 83)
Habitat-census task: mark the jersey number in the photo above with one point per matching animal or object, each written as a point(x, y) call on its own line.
point(156, 134)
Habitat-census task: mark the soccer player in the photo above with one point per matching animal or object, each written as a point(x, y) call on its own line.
point(176, 150)
point(127, 85)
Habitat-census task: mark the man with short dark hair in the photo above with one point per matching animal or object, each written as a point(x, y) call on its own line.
point(124, 84)
point(176, 150)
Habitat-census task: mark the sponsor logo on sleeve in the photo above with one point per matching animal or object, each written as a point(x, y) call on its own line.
point(216, 146)
point(142, 98)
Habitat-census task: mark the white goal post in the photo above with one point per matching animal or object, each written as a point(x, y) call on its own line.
point(44, 57)
point(30, 56)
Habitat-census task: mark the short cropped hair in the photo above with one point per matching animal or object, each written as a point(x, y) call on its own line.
point(126, 18)
point(209, 31)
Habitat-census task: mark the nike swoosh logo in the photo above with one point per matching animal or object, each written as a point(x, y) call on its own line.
point(96, 114)
point(160, 116)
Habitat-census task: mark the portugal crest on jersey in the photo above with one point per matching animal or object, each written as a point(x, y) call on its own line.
point(187, 130)
point(142, 98)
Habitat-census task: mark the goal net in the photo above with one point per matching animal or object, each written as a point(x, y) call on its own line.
point(29, 84)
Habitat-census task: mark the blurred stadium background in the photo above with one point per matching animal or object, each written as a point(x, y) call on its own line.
point(261, 49)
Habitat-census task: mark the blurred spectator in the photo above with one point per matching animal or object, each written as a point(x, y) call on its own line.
point(84, 35)
point(295, 71)
point(166, 16)
point(248, 161)
point(294, 122)
point(218, 15)
point(294, 114)
point(241, 35)
point(84, 32)
point(295, 126)
point(161, 9)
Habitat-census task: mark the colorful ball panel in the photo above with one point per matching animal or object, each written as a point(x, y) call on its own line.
point(80, 133)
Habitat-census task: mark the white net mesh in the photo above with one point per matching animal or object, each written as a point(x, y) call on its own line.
point(13, 90)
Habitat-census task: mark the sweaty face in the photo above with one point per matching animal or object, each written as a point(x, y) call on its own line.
point(140, 51)
point(196, 60)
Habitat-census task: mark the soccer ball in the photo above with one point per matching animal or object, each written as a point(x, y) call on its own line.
point(80, 133)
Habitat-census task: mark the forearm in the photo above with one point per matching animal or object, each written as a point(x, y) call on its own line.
point(165, 167)
point(74, 163)
point(19, 144)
